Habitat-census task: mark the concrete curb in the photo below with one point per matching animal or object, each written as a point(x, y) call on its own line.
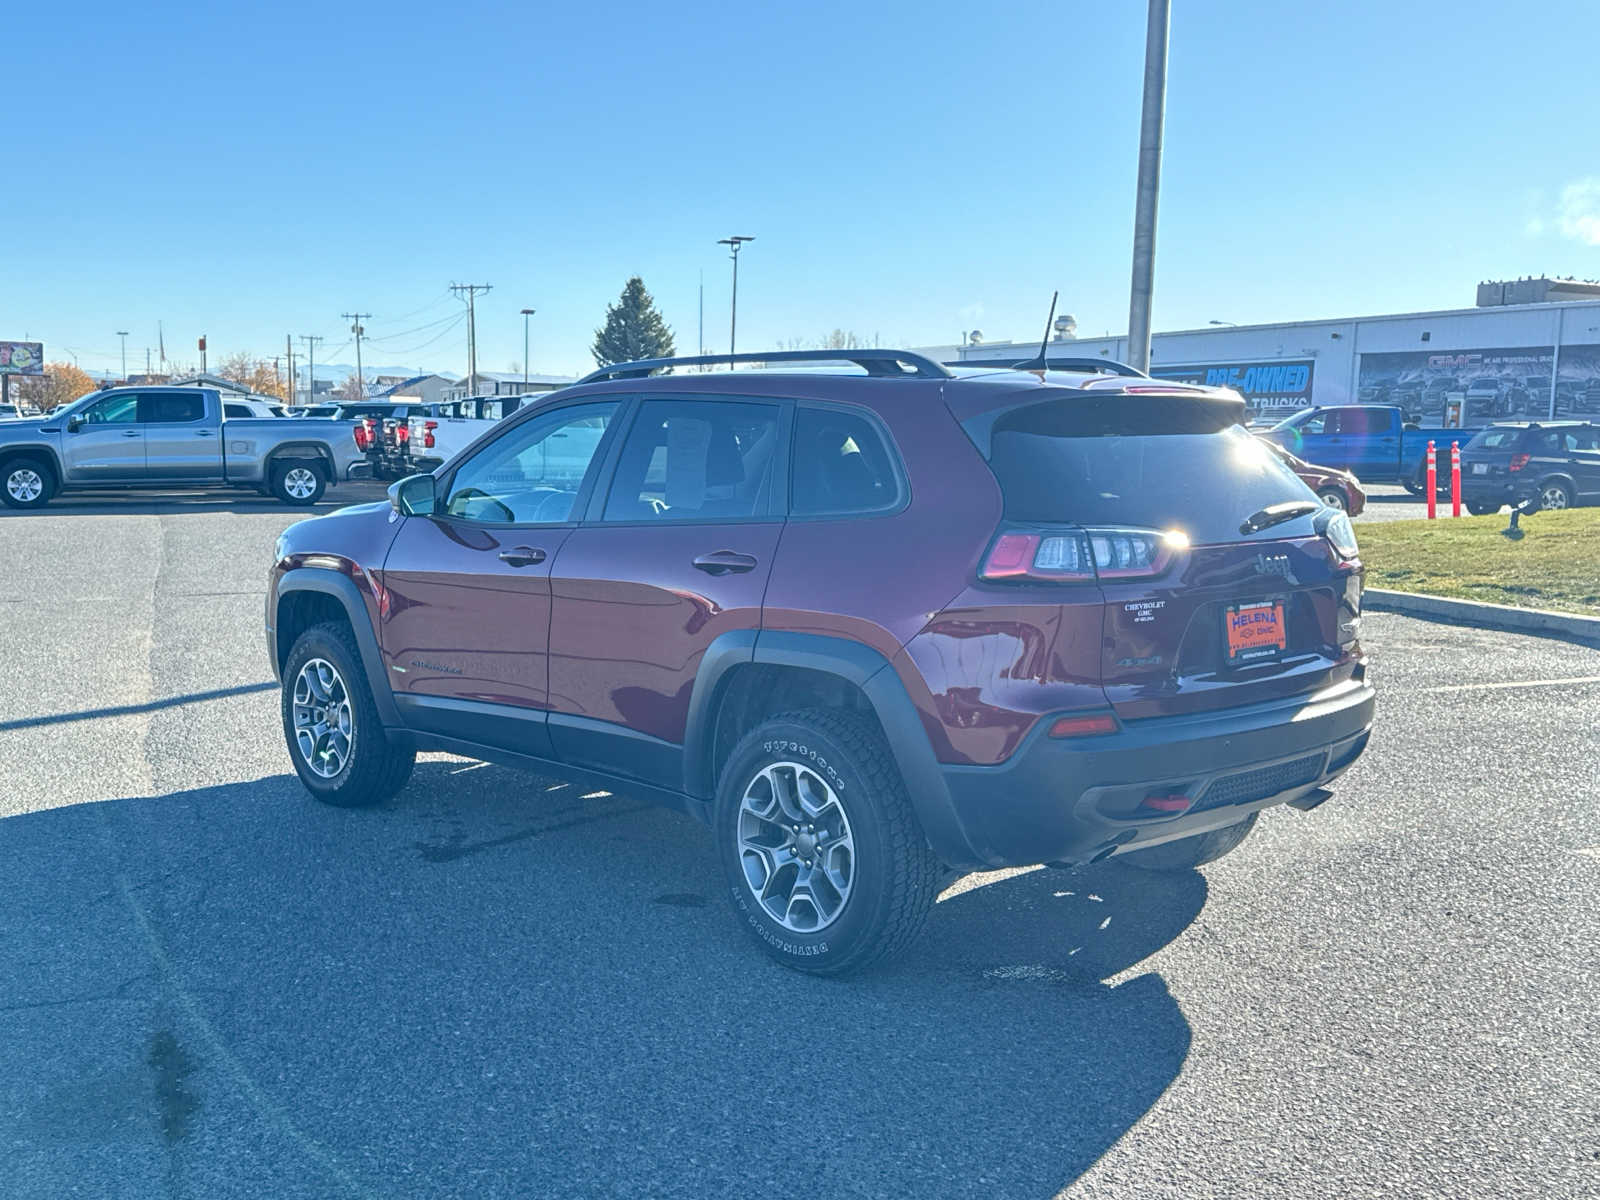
point(1541, 621)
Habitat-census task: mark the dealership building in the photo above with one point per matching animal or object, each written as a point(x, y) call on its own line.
point(1529, 349)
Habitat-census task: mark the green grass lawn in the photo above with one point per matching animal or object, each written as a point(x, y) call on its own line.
point(1555, 565)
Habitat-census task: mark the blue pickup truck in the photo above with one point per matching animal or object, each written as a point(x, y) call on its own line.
point(1372, 440)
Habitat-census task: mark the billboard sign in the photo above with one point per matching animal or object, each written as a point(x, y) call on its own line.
point(21, 358)
point(1279, 386)
point(1503, 383)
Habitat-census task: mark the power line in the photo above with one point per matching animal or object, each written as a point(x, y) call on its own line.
point(445, 332)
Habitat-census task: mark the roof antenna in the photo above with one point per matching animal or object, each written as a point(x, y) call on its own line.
point(1040, 363)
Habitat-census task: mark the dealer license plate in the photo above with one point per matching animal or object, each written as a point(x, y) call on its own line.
point(1255, 631)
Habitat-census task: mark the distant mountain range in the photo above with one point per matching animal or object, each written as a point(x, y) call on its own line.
point(338, 372)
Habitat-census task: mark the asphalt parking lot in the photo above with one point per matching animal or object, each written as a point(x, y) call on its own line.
point(211, 986)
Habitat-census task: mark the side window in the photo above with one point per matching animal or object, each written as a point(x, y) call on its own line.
point(1316, 424)
point(531, 475)
point(236, 410)
point(1588, 438)
point(841, 465)
point(121, 409)
point(171, 408)
point(696, 460)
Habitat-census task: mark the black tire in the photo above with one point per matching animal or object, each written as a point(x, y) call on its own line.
point(375, 768)
point(1482, 508)
point(291, 485)
point(1415, 486)
point(893, 875)
point(1188, 853)
point(27, 483)
point(1334, 498)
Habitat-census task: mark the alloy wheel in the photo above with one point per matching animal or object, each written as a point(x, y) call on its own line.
point(24, 485)
point(324, 724)
point(300, 482)
point(1554, 496)
point(1334, 499)
point(796, 847)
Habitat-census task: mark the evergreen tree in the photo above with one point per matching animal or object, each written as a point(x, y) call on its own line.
point(633, 329)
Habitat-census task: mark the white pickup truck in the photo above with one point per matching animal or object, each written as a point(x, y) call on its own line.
point(434, 439)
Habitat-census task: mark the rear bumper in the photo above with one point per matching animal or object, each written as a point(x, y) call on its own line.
point(1077, 800)
point(359, 470)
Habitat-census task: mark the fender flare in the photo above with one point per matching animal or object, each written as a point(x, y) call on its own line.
point(44, 451)
point(858, 664)
point(343, 589)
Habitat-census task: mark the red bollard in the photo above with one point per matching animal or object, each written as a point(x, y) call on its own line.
point(1455, 479)
point(1433, 484)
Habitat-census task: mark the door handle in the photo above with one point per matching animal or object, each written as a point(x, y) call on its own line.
point(205, 433)
point(725, 562)
point(130, 433)
point(521, 556)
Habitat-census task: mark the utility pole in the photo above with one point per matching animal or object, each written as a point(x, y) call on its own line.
point(471, 290)
point(147, 362)
point(311, 340)
point(733, 244)
point(357, 329)
point(526, 313)
point(1151, 124)
point(123, 334)
point(702, 341)
point(288, 354)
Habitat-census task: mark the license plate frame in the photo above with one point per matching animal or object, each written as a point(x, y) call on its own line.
point(1256, 641)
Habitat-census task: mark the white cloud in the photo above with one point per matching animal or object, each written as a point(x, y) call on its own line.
point(1579, 213)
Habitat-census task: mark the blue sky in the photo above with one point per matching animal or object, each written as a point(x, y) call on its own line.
point(909, 170)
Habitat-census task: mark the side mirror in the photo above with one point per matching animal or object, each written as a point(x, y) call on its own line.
point(413, 496)
point(74, 422)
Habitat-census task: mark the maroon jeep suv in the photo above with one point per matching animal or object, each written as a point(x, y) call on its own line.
point(873, 625)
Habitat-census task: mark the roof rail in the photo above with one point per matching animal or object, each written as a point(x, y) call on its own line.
point(1096, 366)
point(882, 363)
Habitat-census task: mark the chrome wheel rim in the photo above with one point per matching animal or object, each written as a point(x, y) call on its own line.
point(24, 485)
point(1553, 497)
point(796, 848)
point(1334, 500)
point(300, 482)
point(324, 726)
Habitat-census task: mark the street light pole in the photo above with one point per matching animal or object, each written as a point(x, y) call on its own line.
point(733, 244)
point(1149, 187)
point(526, 313)
point(123, 334)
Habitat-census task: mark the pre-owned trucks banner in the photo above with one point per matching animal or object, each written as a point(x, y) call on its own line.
point(1277, 387)
point(1504, 383)
point(21, 358)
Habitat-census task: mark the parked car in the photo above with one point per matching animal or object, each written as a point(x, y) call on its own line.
point(1372, 440)
point(871, 628)
point(1335, 488)
point(1556, 461)
point(9, 412)
point(367, 418)
point(249, 406)
point(169, 437)
point(434, 440)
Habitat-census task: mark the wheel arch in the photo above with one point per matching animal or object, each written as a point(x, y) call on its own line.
point(320, 452)
point(808, 670)
point(309, 595)
point(9, 454)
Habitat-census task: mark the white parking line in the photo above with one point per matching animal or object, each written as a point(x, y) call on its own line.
point(1515, 683)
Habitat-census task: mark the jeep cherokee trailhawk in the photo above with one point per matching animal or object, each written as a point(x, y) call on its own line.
point(872, 625)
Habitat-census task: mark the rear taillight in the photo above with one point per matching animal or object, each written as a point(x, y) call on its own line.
point(402, 434)
point(1518, 461)
point(427, 433)
point(363, 436)
point(1079, 555)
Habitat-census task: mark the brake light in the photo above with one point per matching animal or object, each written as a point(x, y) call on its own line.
point(402, 433)
point(1080, 556)
point(363, 436)
point(1518, 461)
point(427, 433)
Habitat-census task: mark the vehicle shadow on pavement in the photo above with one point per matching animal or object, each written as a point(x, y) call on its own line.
point(495, 985)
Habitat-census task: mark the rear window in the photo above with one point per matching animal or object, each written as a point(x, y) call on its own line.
point(1495, 439)
point(1057, 466)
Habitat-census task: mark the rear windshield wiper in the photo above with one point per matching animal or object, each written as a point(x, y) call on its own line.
point(1277, 514)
